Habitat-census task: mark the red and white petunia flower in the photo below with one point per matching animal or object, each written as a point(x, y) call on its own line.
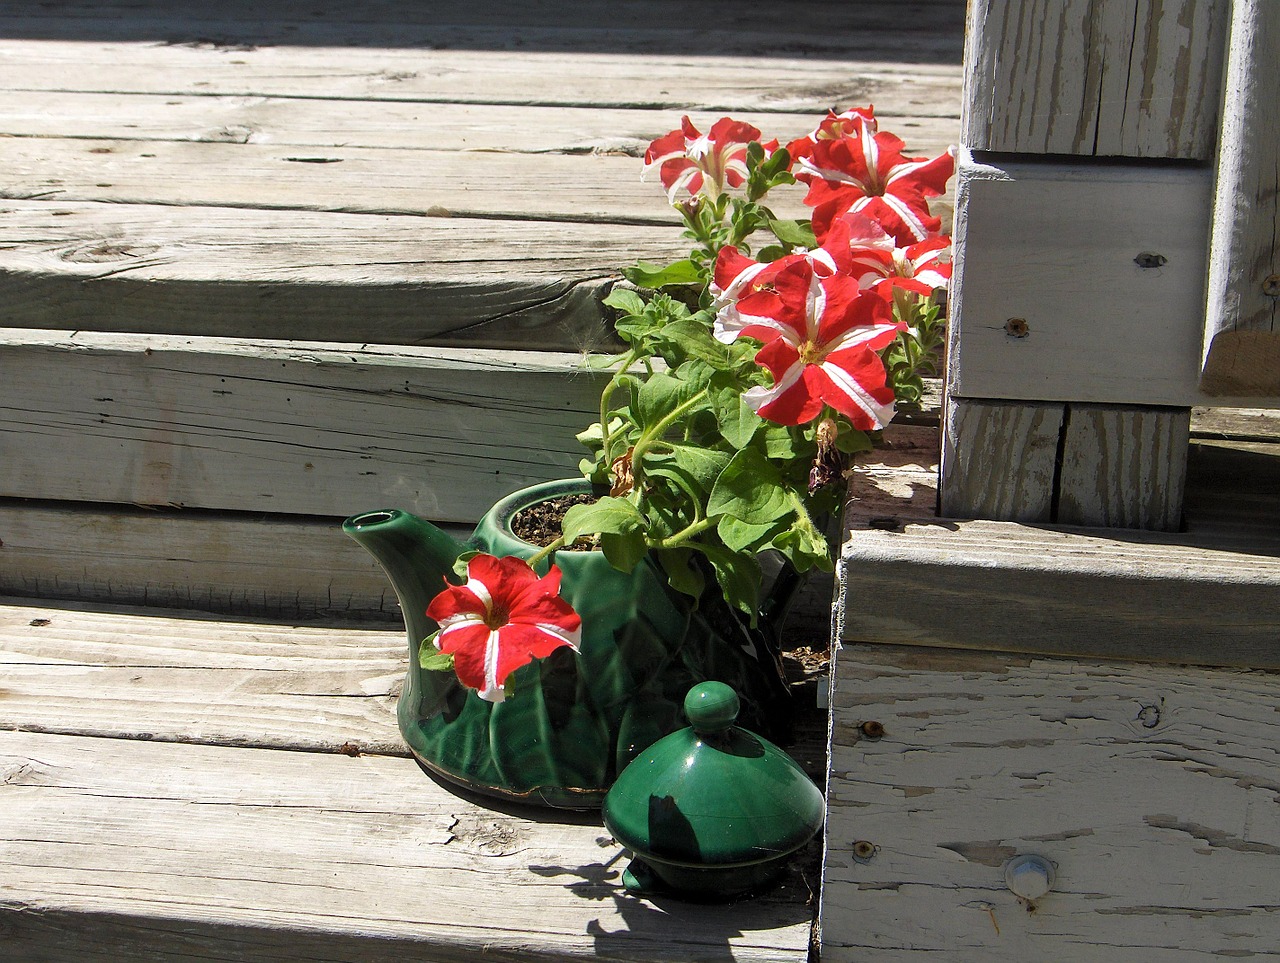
point(833, 127)
point(880, 265)
point(703, 163)
point(821, 334)
point(502, 618)
point(736, 275)
point(919, 268)
point(864, 171)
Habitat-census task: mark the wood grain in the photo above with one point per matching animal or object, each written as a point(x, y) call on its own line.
point(999, 460)
point(112, 674)
point(1242, 327)
point(1149, 787)
point(237, 564)
point(1129, 78)
point(331, 123)
point(124, 851)
point(1123, 467)
point(1095, 266)
point(890, 75)
point(1207, 595)
point(242, 273)
point(292, 427)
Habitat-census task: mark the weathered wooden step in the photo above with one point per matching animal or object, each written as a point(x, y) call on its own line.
point(1209, 594)
point(1149, 788)
point(176, 787)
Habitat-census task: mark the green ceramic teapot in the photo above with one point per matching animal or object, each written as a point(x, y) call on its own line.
point(575, 720)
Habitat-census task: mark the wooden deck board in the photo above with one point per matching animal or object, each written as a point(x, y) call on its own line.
point(1150, 788)
point(141, 822)
point(1207, 595)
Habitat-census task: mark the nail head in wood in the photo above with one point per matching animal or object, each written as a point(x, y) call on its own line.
point(1017, 328)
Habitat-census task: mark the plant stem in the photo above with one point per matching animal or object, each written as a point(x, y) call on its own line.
point(686, 533)
point(655, 433)
point(546, 550)
point(606, 394)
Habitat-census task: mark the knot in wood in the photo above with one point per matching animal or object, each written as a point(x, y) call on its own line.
point(1149, 259)
point(1017, 328)
point(1271, 286)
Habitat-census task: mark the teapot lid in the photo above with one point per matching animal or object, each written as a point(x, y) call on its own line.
point(713, 794)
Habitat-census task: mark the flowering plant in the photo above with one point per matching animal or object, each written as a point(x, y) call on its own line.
point(753, 370)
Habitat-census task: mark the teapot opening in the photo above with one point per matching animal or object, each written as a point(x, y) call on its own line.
point(371, 518)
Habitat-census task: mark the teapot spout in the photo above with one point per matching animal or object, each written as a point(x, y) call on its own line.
point(416, 556)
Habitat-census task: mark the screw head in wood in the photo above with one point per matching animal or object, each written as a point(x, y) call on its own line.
point(1029, 876)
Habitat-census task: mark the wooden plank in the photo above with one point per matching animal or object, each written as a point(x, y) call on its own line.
point(885, 69)
point(1207, 596)
point(331, 123)
point(579, 188)
point(1150, 788)
point(1243, 424)
point(1064, 271)
point(309, 276)
point(1123, 467)
point(928, 28)
point(1113, 466)
point(240, 564)
point(1242, 328)
point(1131, 78)
point(114, 674)
point(999, 460)
point(293, 427)
point(235, 564)
point(123, 851)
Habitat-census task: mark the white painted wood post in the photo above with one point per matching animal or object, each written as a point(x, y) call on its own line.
point(1242, 327)
point(1079, 281)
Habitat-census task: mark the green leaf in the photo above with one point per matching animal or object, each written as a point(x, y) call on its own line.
point(681, 575)
point(623, 551)
point(750, 489)
point(740, 536)
point(704, 465)
point(460, 563)
point(737, 420)
point(738, 576)
point(656, 397)
point(648, 275)
point(606, 515)
point(781, 443)
point(793, 233)
point(693, 339)
point(804, 547)
point(853, 441)
point(431, 658)
point(626, 301)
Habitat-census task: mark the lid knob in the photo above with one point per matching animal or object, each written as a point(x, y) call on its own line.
point(711, 707)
